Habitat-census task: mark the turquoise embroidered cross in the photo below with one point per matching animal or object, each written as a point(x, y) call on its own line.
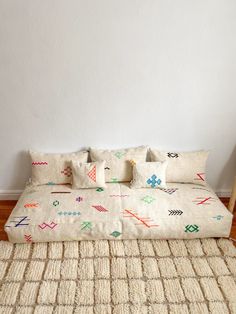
point(153, 181)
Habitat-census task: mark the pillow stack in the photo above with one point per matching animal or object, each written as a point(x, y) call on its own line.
point(119, 162)
point(123, 165)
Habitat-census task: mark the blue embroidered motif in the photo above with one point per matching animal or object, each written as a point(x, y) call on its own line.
point(153, 181)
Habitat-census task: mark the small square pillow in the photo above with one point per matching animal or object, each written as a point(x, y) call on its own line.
point(118, 167)
point(54, 168)
point(149, 175)
point(88, 175)
point(183, 167)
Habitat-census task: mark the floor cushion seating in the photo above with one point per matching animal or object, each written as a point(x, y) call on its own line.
point(59, 213)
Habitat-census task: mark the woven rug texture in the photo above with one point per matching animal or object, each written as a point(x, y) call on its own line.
point(119, 277)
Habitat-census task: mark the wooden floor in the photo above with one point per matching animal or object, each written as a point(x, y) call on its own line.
point(7, 206)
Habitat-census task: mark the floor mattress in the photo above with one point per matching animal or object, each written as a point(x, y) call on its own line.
point(59, 213)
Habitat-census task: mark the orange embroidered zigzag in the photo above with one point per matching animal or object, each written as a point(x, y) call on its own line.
point(31, 205)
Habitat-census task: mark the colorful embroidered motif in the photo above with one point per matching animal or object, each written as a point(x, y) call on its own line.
point(219, 217)
point(172, 155)
point(19, 221)
point(148, 199)
point(92, 174)
point(133, 163)
point(67, 171)
point(28, 238)
point(200, 176)
point(56, 203)
point(79, 199)
point(31, 205)
point(86, 225)
point(39, 163)
point(99, 189)
point(115, 234)
point(203, 201)
point(50, 183)
point(153, 181)
point(114, 180)
point(69, 213)
point(170, 191)
point(191, 228)
point(119, 155)
point(141, 220)
point(44, 225)
point(100, 208)
point(174, 212)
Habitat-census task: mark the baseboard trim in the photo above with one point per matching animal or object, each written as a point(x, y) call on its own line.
point(10, 194)
point(15, 194)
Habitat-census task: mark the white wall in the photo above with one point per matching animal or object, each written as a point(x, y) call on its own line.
point(117, 73)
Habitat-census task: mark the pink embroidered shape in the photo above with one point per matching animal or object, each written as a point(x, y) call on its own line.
point(203, 200)
point(28, 238)
point(44, 225)
point(39, 163)
point(146, 221)
point(100, 208)
point(92, 174)
point(67, 171)
point(200, 176)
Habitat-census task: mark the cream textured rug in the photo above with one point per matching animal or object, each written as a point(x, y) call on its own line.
point(102, 277)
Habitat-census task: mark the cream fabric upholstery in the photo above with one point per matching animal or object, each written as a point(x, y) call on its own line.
point(88, 175)
point(185, 167)
point(149, 175)
point(119, 162)
point(54, 168)
point(59, 213)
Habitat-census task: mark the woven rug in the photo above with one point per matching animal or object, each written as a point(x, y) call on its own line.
point(120, 277)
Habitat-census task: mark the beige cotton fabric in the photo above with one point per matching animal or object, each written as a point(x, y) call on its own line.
point(149, 175)
point(88, 175)
point(118, 277)
point(119, 162)
point(185, 167)
point(58, 213)
point(54, 168)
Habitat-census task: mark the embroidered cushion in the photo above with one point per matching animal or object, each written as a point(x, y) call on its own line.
point(54, 168)
point(149, 175)
point(88, 175)
point(184, 167)
point(118, 167)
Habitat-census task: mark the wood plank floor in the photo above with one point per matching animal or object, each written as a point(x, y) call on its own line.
point(7, 206)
